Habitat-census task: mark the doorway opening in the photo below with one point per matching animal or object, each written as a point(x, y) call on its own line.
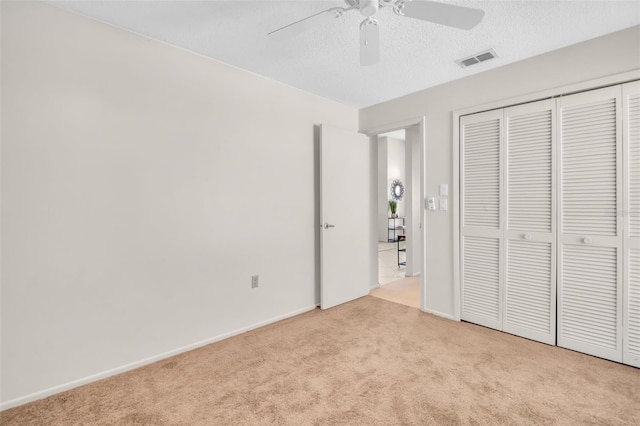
point(392, 254)
point(397, 181)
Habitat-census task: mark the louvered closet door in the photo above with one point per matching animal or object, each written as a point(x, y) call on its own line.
point(481, 230)
point(590, 241)
point(530, 265)
point(631, 209)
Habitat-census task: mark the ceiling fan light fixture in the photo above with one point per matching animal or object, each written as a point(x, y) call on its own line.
point(369, 42)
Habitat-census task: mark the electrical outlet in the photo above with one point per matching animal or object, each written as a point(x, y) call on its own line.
point(254, 281)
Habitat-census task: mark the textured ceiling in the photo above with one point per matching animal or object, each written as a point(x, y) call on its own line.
point(415, 55)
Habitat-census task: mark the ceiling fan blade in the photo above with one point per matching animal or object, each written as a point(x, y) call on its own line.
point(461, 17)
point(369, 42)
point(303, 25)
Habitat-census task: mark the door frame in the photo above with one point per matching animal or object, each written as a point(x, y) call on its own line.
point(373, 173)
point(505, 103)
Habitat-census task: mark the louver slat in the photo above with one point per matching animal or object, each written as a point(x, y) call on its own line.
point(581, 175)
point(633, 161)
point(481, 174)
point(588, 308)
point(481, 277)
point(528, 291)
point(529, 165)
point(632, 353)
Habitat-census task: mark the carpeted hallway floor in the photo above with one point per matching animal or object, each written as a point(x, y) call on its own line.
point(368, 362)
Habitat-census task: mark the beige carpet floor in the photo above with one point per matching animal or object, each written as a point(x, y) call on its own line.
point(368, 362)
point(405, 291)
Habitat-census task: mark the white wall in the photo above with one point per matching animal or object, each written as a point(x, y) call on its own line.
point(391, 166)
point(612, 54)
point(142, 186)
point(382, 197)
point(395, 169)
point(413, 148)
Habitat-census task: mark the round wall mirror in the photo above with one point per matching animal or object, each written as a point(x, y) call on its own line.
point(397, 189)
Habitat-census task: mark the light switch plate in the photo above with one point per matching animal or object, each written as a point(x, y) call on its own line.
point(443, 204)
point(431, 203)
point(444, 189)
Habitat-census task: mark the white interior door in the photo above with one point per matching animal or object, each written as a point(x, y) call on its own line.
point(590, 240)
point(531, 207)
point(631, 209)
point(344, 216)
point(508, 220)
point(529, 210)
point(481, 235)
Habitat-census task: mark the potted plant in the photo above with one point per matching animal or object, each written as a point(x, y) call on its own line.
point(393, 205)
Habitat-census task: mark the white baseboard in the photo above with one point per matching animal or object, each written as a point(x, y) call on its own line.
point(439, 314)
point(374, 286)
point(131, 366)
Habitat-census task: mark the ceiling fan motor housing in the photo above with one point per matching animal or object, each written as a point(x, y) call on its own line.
point(368, 7)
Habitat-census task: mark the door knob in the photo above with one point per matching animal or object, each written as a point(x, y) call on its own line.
point(587, 240)
point(526, 236)
point(328, 225)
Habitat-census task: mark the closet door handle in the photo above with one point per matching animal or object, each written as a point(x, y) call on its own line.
point(587, 240)
point(526, 236)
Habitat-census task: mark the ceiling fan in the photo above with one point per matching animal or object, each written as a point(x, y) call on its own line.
point(445, 14)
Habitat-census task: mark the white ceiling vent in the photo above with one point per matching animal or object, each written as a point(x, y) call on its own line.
point(477, 58)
